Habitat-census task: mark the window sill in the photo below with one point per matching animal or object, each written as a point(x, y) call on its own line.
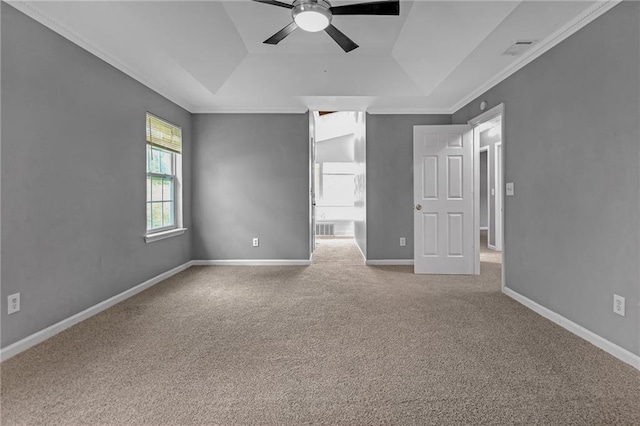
point(157, 236)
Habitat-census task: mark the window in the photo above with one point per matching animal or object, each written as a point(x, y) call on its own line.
point(164, 165)
point(336, 184)
point(161, 208)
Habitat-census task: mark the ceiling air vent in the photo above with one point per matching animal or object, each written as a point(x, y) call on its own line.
point(518, 47)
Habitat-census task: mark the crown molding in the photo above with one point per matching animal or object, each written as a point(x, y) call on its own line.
point(29, 9)
point(538, 49)
point(210, 110)
point(408, 111)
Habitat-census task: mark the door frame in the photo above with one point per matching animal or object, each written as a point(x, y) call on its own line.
point(476, 122)
point(498, 199)
point(480, 150)
point(492, 227)
point(312, 183)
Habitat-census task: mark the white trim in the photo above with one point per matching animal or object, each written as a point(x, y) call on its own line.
point(488, 115)
point(252, 262)
point(599, 341)
point(178, 195)
point(503, 138)
point(157, 236)
point(486, 149)
point(491, 246)
point(499, 197)
point(384, 262)
point(361, 252)
point(475, 173)
point(214, 110)
point(538, 49)
point(42, 335)
point(29, 9)
point(409, 111)
point(312, 181)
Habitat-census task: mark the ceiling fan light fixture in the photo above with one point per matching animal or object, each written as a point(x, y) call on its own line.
point(312, 17)
point(315, 15)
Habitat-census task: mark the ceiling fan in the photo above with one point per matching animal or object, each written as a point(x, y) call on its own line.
point(315, 15)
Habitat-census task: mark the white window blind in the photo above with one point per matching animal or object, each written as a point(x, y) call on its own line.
point(163, 134)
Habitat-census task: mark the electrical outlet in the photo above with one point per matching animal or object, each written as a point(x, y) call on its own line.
point(256, 242)
point(403, 241)
point(13, 303)
point(618, 304)
point(509, 189)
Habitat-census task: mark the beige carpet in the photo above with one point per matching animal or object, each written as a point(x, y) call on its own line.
point(332, 343)
point(487, 255)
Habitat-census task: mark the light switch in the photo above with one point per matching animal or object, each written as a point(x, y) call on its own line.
point(509, 188)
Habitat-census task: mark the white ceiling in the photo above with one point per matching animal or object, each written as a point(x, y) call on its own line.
point(208, 56)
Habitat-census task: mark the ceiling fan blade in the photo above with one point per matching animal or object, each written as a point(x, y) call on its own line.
point(370, 8)
point(275, 3)
point(280, 35)
point(345, 42)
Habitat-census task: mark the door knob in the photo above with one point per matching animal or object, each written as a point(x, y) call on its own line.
point(418, 207)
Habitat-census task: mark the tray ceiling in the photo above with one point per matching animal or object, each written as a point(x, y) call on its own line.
point(208, 56)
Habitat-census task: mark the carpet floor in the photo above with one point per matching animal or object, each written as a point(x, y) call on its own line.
point(336, 342)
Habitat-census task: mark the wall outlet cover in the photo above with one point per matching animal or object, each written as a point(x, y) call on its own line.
point(256, 242)
point(618, 304)
point(13, 303)
point(403, 241)
point(510, 188)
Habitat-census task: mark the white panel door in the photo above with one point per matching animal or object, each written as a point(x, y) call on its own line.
point(443, 200)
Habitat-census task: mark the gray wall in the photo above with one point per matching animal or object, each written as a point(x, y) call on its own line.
point(73, 179)
point(251, 179)
point(390, 182)
point(484, 189)
point(572, 230)
point(360, 229)
point(491, 141)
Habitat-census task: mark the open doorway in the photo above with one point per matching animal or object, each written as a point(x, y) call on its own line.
point(338, 176)
point(488, 132)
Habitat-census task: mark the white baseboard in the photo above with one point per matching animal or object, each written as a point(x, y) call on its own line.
point(42, 335)
point(361, 253)
point(252, 262)
point(621, 353)
point(383, 262)
point(484, 228)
